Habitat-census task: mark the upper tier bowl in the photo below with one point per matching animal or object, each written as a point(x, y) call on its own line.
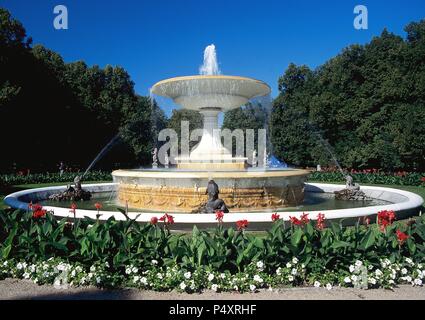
point(199, 92)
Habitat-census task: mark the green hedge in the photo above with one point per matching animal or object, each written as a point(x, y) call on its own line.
point(12, 179)
point(403, 179)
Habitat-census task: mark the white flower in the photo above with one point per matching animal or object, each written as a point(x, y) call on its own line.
point(57, 283)
point(358, 263)
point(328, 286)
point(370, 267)
point(214, 287)
point(26, 275)
point(290, 278)
point(391, 282)
point(159, 275)
point(134, 270)
point(354, 278)
point(154, 262)
point(258, 278)
point(19, 266)
point(83, 280)
point(223, 276)
point(294, 260)
point(372, 281)
point(352, 268)
point(98, 280)
point(288, 265)
point(183, 285)
point(279, 271)
point(317, 284)
point(32, 268)
point(418, 282)
point(136, 278)
point(409, 261)
point(144, 280)
point(252, 287)
point(73, 273)
point(404, 271)
point(260, 264)
point(93, 269)
point(303, 266)
point(294, 271)
point(5, 263)
point(210, 277)
point(378, 272)
point(236, 288)
point(347, 280)
point(187, 275)
point(408, 279)
point(107, 264)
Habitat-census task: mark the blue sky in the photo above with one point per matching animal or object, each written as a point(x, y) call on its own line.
point(158, 39)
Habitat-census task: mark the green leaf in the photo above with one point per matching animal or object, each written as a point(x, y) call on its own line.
point(296, 236)
point(368, 239)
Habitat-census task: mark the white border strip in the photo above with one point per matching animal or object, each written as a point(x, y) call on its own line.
point(412, 201)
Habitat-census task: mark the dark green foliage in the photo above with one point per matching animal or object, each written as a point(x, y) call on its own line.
point(368, 104)
point(250, 116)
point(66, 177)
point(70, 108)
point(121, 242)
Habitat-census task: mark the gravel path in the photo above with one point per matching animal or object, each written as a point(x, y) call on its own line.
point(23, 289)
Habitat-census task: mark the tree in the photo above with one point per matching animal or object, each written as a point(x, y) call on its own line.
point(365, 106)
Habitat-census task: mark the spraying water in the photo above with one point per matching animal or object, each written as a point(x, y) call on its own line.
point(102, 153)
point(327, 146)
point(210, 66)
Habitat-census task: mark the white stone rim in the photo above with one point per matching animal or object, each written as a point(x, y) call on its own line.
point(412, 201)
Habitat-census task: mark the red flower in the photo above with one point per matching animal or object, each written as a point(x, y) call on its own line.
point(385, 218)
point(38, 211)
point(219, 214)
point(73, 206)
point(167, 219)
point(401, 237)
point(423, 179)
point(304, 218)
point(154, 220)
point(30, 205)
point(275, 217)
point(320, 221)
point(242, 224)
point(98, 205)
point(295, 221)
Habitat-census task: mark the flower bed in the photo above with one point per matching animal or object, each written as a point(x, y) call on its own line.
point(66, 177)
point(397, 178)
point(124, 253)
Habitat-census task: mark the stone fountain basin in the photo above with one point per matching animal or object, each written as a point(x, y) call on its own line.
point(184, 190)
point(198, 92)
point(404, 203)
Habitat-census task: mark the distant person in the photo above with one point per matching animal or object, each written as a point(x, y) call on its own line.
point(62, 168)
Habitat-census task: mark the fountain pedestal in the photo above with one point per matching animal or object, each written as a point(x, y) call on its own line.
point(209, 153)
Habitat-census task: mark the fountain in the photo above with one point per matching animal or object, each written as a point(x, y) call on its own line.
point(242, 189)
point(210, 177)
